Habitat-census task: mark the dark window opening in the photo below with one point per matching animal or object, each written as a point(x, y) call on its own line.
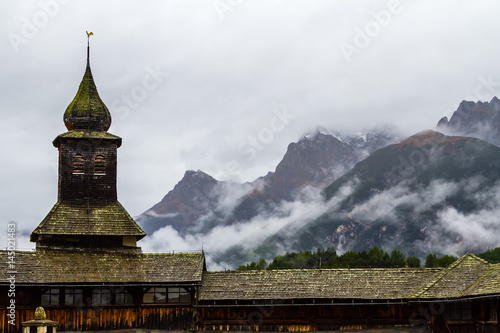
point(73, 296)
point(156, 295)
point(101, 296)
point(458, 311)
point(164, 295)
point(123, 298)
point(50, 297)
point(78, 164)
point(99, 165)
point(178, 295)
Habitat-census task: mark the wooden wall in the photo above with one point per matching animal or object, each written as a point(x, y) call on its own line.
point(147, 317)
point(300, 317)
point(324, 317)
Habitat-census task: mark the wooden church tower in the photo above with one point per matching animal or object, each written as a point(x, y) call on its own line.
point(87, 213)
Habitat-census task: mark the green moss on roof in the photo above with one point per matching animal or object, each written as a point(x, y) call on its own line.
point(71, 219)
point(469, 276)
point(51, 266)
point(87, 111)
point(90, 135)
point(374, 283)
point(454, 281)
point(488, 284)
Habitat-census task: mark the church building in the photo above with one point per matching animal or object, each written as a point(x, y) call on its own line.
point(87, 271)
point(90, 275)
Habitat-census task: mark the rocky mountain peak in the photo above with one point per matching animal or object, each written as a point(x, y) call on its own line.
point(477, 119)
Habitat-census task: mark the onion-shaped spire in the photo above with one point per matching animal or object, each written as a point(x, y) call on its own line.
point(87, 111)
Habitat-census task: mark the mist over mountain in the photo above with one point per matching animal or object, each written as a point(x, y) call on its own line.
point(427, 193)
point(477, 119)
point(199, 204)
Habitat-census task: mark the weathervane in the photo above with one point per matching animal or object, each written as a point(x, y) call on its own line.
point(88, 46)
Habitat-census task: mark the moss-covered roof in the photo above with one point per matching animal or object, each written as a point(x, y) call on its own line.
point(455, 280)
point(488, 284)
point(90, 135)
point(46, 266)
point(87, 111)
point(374, 283)
point(469, 276)
point(78, 219)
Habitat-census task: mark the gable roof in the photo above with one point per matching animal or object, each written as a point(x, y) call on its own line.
point(456, 279)
point(373, 283)
point(106, 220)
point(488, 284)
point(49, 266)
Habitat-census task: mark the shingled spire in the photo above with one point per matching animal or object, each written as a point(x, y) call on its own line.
point(87, 111)
point(87, 213)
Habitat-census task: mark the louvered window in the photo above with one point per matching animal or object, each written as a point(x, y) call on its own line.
point(99, 165)
point(78, 164)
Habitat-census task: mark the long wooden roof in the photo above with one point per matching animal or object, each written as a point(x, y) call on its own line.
point(469, 276)
point(373, 283)
point(51, 267)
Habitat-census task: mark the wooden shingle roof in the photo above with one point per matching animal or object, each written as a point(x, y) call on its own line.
point(87, 111)
point(45, 266)
point(107, 220)
point(488, 284)
point(373, 283)
point(469, 276)
point(454, 281)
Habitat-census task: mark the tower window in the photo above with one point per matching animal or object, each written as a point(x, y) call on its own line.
point(99, 165)
point(78, 164)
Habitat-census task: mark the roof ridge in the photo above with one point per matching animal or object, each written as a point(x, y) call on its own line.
point(439, 276)
point(439, 269)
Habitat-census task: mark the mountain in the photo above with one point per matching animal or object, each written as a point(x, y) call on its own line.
point(477, 119)
point(194, 196)
point(199, 203)
point(428, 193)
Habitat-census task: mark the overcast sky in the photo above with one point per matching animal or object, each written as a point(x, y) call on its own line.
point(225, 85)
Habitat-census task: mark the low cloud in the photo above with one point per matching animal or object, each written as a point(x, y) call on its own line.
point(287, 217)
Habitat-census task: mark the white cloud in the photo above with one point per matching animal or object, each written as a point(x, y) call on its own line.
point(225, 78)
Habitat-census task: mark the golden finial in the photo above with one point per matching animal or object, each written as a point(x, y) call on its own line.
point(88, 46)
